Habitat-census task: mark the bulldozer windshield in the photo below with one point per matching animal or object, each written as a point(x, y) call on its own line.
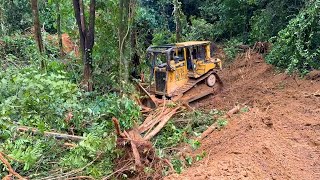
point(160, 56)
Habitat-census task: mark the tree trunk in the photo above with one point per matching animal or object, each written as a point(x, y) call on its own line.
point(135, 58)
point(177, 14)
point(86, 39)
point(122, 26)
point(37, 29)
point(76, 7)
point(126, 14)
point(89, 46)
point(178, 30)
point(59, 30)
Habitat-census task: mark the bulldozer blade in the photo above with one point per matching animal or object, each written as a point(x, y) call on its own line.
point(147, 99)
point(220, 83)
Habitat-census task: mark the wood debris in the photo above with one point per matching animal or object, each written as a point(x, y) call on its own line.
point(215, 126)
point(10, 169)
point(51, 134)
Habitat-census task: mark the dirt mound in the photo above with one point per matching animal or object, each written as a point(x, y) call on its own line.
point(278, 138)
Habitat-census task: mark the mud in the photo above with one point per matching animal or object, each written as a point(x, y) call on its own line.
point(278, 138)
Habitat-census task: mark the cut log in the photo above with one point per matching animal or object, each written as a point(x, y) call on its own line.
point(148, 125)
point(214, 126)
point(208, 131)
point(150, 118)
point(234, 110)
point(51, 134)
point(161, 124)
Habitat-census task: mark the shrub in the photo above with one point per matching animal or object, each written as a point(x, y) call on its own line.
point(297, 46)
point(230, 48)
point(201, 30)
point(45, 100)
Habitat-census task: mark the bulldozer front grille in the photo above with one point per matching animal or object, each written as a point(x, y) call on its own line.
point(160, 78)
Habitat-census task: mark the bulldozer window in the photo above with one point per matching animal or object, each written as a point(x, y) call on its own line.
point(201, 52)
point(160, 59)
point(178, 55)
point(198, 52)
point(189, 57)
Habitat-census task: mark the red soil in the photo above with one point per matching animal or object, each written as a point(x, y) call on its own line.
point(278, 138)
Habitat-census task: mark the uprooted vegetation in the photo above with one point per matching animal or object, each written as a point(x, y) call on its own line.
point(52, 129)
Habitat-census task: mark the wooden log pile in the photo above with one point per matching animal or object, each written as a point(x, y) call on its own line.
point(139, 137)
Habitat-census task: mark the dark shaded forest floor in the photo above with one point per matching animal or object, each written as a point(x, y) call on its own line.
point(278, 138)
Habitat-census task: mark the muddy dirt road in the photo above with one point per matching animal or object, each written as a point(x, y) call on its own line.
point(278, 138)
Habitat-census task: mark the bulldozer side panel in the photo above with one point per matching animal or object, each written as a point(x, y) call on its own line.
point(208, 52)
point(204, 67)
point(176, 79)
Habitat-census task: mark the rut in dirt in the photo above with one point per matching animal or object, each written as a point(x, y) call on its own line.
point(278, 138)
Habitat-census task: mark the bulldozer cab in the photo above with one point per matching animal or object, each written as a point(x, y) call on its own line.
point(174, 65)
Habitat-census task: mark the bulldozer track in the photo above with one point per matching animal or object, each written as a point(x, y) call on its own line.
point(191, 83)
point(180, 94)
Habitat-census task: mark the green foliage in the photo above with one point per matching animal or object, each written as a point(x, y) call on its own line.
point(271, 17)
point(43, 100)
point(93, 149)
point(177, 165)
point(170, 137)
point(200, 156)
point(222, 123)
point(183, 129)
point(228, 16)
point(17, 50)
point(15, 16)
point(93, 156)
point(230, 48)
point(201, 30)
point(297, 46)
point(189, 123)
point(195, 144)
point(35, 99)
point(163, 37)
point(20, 50)
point(261, 29)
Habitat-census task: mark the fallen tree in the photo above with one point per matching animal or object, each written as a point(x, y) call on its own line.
point(50, 134)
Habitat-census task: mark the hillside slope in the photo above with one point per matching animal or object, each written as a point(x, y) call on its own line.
point(278, 138)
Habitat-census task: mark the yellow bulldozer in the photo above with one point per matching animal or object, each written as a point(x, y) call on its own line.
point(182, 72)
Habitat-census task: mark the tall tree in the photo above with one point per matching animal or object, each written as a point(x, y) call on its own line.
point(59, 28)
point(86, 34)
point(126, 14)
point(177, 12)
point(37, 29)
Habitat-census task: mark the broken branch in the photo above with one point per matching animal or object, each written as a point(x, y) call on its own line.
point(51, 134)
point(214, 126)
point(7, 164)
